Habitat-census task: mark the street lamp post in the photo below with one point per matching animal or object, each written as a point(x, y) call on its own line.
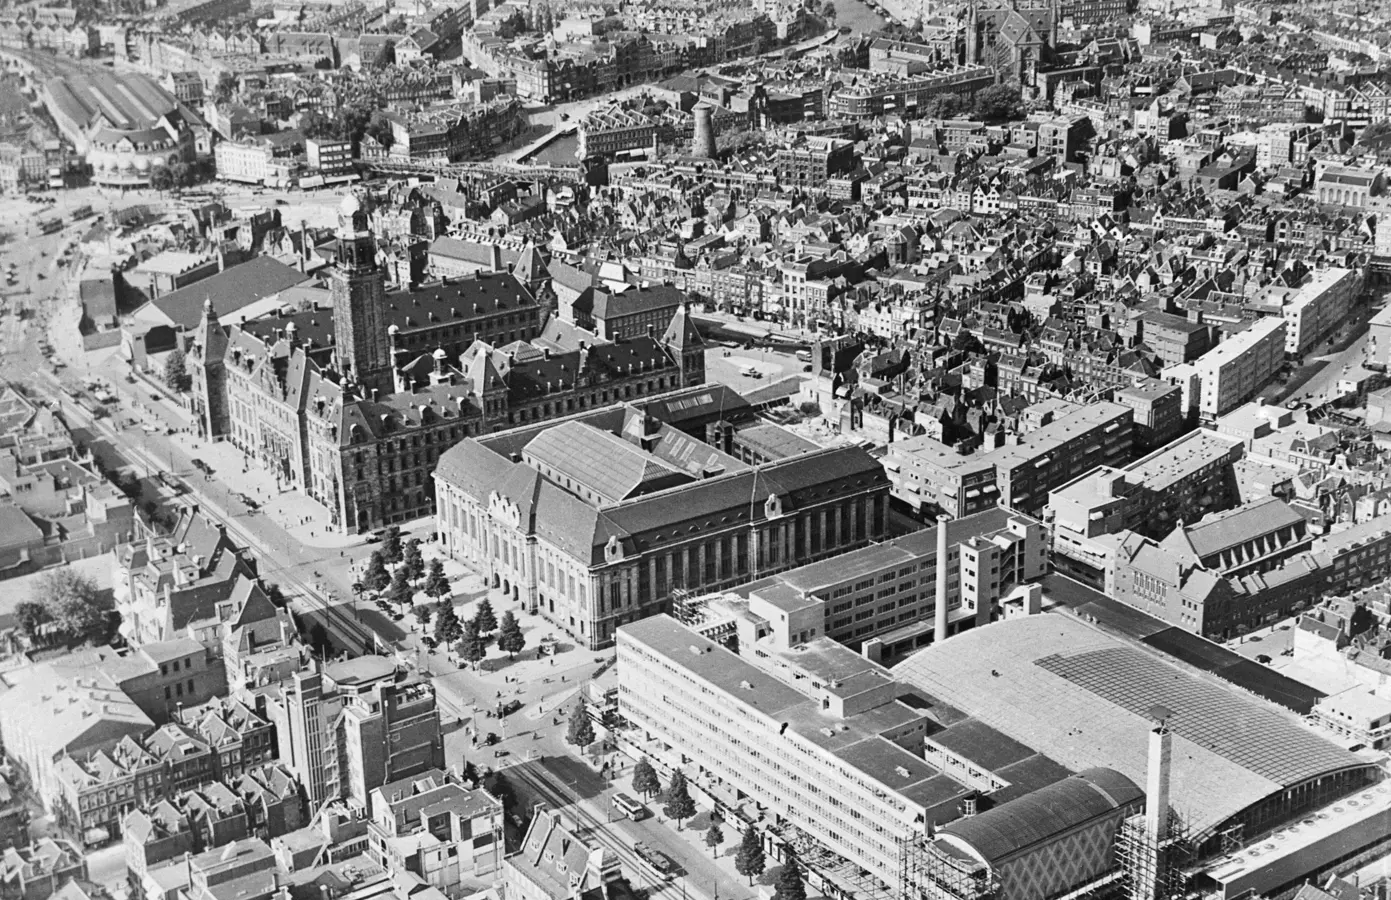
point(357, 598)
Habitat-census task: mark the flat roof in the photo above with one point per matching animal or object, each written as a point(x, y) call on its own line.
point(1238, 343)
point(1180, 459)
point(1049, 437)
point(1082, 696)
point(848, 740)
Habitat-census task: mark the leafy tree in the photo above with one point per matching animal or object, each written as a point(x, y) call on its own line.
point(161, 178)
point(32, 616)
point(412, 561)
point(828, 11)
point(391, 544)
point(497, 784)
point(679, 804)
point(714, 837)
point(377, 578)
point(385, 56)
point(184, 175)
point(226, 88)
point(350, 122)
point(421, 613)
point(790, 885)
point(314, 124)
point(176, 372)
point(510, 638)
point(471, 644)
point(967, 342)
point(436, 584)
point(645, 779)
point(274, 594)
point(402, 593)
point(318, 639)
point(750, 861)
point(944, 106)
point(379, 129)
point(998, 101)
point(447, 626)
point(484, 619)
point(129, 483)
point(581, 730)
point(73, 602)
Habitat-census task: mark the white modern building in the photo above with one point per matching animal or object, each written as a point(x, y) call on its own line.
point(826, 744)
point(1313, 309)
point(1232, 372)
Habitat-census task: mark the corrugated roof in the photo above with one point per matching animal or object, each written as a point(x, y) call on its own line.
point(1082, 696)
point(1002, 832)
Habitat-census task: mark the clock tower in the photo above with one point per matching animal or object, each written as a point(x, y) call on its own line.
point(358, 288)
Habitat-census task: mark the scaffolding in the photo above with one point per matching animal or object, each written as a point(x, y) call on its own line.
point(1151, 868)
point(688, 606)
point(925, 874)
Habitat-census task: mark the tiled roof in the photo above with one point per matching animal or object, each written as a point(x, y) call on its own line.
point(229, 290)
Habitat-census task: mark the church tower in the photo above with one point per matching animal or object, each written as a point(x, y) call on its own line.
point(358, 288)
point(972, 34)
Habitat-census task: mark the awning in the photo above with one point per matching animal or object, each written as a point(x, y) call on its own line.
point(96, 835)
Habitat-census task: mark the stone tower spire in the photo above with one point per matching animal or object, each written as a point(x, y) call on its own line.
point(358, 288)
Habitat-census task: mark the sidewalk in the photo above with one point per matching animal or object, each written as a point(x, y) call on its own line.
point(306, 519)
point(692, 833)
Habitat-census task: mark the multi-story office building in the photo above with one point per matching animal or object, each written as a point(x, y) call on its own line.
point(830, 759)
point(888, 592)
point(602, 518)
point(1313, 309)
point(1183, 481)
point(1232, 372)
point(1174, 339)
point(1095, 435)
point(615, 131)
point(819, 738)
point(449, 133)
point(931, 477)
point(355, 726)
point(1157, 410)
point(813, 160)
point(1082, 13)
point(872, 97)
point(329, 157)
point(1379, 328)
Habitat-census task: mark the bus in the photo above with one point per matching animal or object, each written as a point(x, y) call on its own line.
point(50, 225)
point(629, 807)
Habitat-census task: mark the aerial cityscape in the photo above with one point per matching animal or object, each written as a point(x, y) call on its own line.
point(695, 450)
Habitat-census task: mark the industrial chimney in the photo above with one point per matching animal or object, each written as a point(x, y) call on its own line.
point(939, 633)
point(703, 144)
point(1157, 778)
